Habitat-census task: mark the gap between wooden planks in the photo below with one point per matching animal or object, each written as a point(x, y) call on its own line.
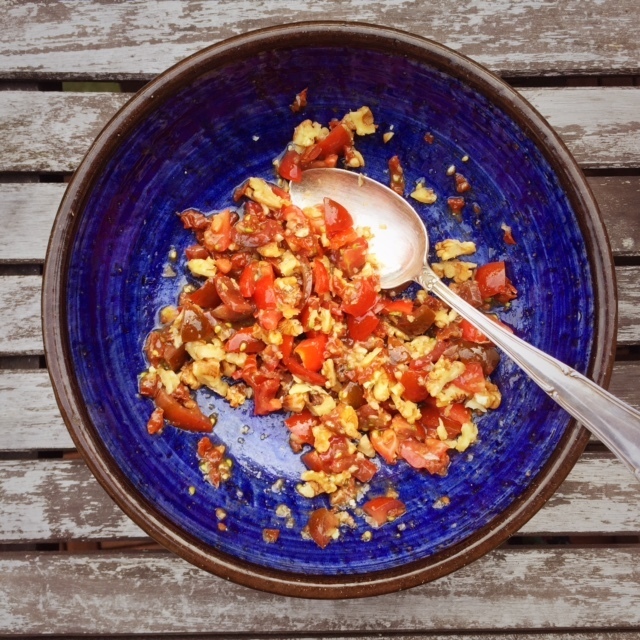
point(157, 593)
point(138, 39)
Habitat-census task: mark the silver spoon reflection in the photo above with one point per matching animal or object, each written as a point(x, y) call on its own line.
point(401, 245)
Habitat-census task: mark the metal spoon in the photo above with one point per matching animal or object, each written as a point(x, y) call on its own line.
point(401, 245)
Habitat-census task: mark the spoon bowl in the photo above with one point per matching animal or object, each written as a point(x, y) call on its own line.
point(401, 244)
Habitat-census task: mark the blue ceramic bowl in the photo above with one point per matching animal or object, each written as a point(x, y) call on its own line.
point(191, 136)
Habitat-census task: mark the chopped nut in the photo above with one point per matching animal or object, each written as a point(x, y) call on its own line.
point(424, 194)
point(449, 249)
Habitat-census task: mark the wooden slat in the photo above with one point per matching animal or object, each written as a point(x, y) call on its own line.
point(49, 131)
point(157, 593)
point(27, 212)
point(22, 335)
point(32, 422)
point(136, 40)
point(57, 500)
point(23, 240)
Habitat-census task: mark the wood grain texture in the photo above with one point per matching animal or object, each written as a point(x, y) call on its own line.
point(57, 500)
point(27, 212)
point(22, 334)
point(156, 593)
point(51, 131)
point(137, 40)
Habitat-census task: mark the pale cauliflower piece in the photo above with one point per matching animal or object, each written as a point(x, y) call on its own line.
point(261, 192)
point(308, 133)
point(449, 249)
point(457, 270)
point(442, 374)
point(408, 410)
point(200, 350)
point(169, 379)
point(424, 194)
point(203, 267)
point(361, 121)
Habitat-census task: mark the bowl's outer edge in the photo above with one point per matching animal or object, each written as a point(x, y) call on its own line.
point(58, 354)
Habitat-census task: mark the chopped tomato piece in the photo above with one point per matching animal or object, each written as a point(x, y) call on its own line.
point(366, 470)
point(286, 348)
point(339, 137)
point(360, 298)
point(336, 217)
point(431, 455)
point(193, 219)
point(471, 334)
point(342, 239)
point(311, 352)
point(243, 340)
point(270, 536)
point(229, 293)
point(265, 293)
point(156, 421)
point(191, 419)
point(384, 509)
point(397, 306)
point(472, 380)
point(300, 425)
point(297, 369)
point(456, 204)
point(206, 296)
point(385, 442)
point(492, 280)
point(458, 412)
point(323, 526)
point(320, 278)
point(269, 318)
point(354, 257)
point(396, 172)
point(196, 251)
point(361, 327)
point(217, 237)
point(414, 386)
point(300, 101)
point(289, 167)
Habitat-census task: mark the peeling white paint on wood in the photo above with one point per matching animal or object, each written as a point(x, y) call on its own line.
point(56, 500)
point(139, 39)
point(155, 593)
point(51, 131)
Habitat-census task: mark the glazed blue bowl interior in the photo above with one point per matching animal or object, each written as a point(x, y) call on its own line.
point(192, 151)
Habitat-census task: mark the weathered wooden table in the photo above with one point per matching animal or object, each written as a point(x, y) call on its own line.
point(70, 561)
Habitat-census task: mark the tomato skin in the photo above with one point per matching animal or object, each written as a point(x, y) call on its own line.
point(339, 137)
point(430, 455)
point(414, 386)
point(320, 278)
point(181, 417)
point(342, 238)
point(289, 168)
point(193, 219)
point(217, 237)
point(156, 421)
point(472, 379)
point(396, 172)
point(336, 217)
point(361, 327)
point(264, 396)
point(363, 298)
point(385, 442)
point(366, 470)
point(244, 337)
point(353, 258)
point(229, 293)
point(286, 348)
point(471, 334)
point(384, 509)
point(458, 413)
point(196, 251)
point(297, 369)
point(397, 306)
point(323, 525)
point(311, 352)
point(269, 318)
point(206, 296)
point(491, 278)
point(301, 425)
point(265, 293)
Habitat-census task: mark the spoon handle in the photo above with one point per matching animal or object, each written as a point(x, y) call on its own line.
point(615, 423)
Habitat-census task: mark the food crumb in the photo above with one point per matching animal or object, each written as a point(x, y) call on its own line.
point(465, 158)
point(276, 487)
point(283, 511)
point(168, 272)
point(245, 429)
point(451, 169)
point(192, 490)
point(221, 514)
point(300, 101)
point(255, 138)
point(173, 254)
point(366, 536)
point(222, 526)
point(440, 503)
point(429, 138)
point(387, 136)
point(270, 535)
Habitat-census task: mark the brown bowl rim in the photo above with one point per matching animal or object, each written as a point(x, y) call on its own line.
point(58, 355)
